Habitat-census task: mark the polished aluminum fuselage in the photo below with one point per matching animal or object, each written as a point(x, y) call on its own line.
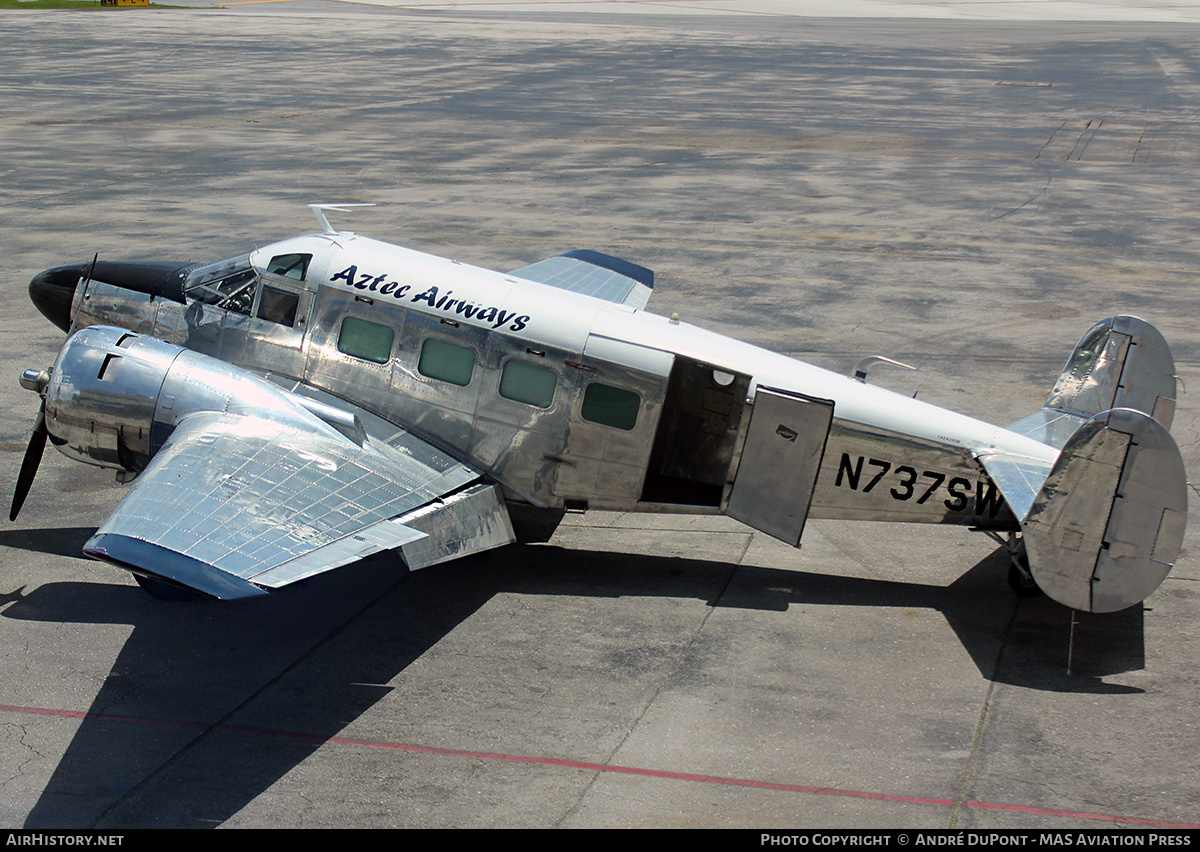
point(873, 454)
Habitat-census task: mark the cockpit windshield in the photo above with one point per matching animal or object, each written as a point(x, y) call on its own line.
point(227, 284)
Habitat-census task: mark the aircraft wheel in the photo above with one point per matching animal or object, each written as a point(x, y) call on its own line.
point(166, 591)
point(1021, 582)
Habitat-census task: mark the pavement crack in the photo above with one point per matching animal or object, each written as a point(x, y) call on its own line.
point(19, 771)
point(968, 776)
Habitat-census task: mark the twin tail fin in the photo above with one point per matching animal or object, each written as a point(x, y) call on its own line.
point(1104, 524)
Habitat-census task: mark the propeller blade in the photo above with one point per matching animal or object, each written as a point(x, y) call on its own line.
point(29, 466)
point(92, 268)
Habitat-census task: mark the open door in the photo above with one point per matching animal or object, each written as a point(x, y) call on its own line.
point(785, 442)
point(697, 435)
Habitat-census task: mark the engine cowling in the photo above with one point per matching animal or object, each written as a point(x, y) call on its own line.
point(102, 395)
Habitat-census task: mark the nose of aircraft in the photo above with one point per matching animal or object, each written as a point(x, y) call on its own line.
point(53, 290)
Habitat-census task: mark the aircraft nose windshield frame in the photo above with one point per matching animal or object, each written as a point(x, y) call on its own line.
point(222, 282)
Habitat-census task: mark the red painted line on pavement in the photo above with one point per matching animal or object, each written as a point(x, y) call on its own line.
point(601, 767)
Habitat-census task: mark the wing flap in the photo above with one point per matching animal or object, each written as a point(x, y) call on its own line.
point(384, 535)
point(470, 521)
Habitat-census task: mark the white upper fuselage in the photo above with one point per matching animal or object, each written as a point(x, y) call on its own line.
point(571, 400)
point(546, 315)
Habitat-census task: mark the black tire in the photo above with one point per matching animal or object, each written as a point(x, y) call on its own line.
point(1021, 583)
point(165, 591)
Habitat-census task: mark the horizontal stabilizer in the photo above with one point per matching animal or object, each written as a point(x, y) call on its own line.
point(594, 274)
point(1019, 478)
point(1107, 524)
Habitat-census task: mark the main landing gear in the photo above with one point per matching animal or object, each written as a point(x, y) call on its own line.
point(1020, 579)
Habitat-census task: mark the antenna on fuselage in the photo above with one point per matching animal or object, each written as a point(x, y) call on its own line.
point(319, 210)
point(863, 364)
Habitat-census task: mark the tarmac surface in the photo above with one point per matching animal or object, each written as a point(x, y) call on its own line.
point(964, 196)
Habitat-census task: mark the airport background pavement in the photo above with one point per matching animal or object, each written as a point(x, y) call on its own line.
point(964, 196)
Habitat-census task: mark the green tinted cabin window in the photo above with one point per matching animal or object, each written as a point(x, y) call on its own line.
point(610, 406)
point(528, 383)
point(367, 340)
point(446, 362)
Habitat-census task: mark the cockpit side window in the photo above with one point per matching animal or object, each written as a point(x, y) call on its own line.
point(277, 305)
point(293, 266)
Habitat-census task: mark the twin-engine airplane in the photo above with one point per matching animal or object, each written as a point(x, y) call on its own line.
point(300, 407)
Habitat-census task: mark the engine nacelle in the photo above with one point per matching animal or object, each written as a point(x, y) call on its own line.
point(114, 397)
point(102, 395)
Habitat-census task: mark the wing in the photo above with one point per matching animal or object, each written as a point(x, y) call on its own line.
point(594, 274)
point(234, 504)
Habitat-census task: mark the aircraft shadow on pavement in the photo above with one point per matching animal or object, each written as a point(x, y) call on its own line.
point(57, 542)
point(167, 742)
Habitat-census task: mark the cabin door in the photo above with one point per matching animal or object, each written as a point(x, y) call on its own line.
point(697, 435)
point(785, 443)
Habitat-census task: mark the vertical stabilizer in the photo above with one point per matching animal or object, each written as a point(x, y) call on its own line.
point(1122, 362)
point(1108, 523)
